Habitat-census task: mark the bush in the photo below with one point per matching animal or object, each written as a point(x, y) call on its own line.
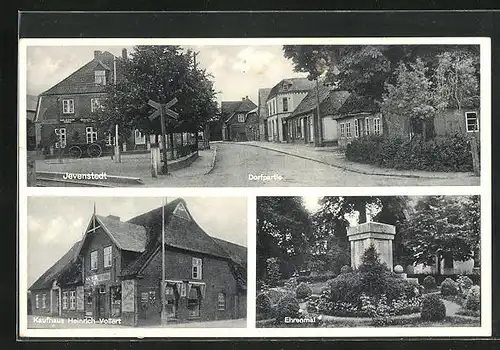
point(447, 153)
point(464, 283)
point(345, 269)
point(291, 284)
point(429, 282)
point(473, 301)
point(263, 305)
point(317, 278)
point(303, 291)
point(449, 287)
point(433, 308)
point(275, 294)
point(288, 306)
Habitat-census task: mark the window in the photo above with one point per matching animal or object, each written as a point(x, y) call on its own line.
point(342, 129)
point(285, 104)
point(68, 106)
point(144, 297)
point(109, 139)
point(65, 301)
point(100, 77)
point(193, 303)
point(197, 269)
point(61, 134)
point(348, 129)
point(93, 260)
point(37, 301)
point(221, 301)
point(44, 301)
point(356, 127)
point(376, 126)
point(241, 118)
point(172, 301)
point(91, 134)
point(140, 138)
point(471, 121)
point(72, 300)
point(102, 289)
point(95, 104)
point(367, 126)
point(108, 256)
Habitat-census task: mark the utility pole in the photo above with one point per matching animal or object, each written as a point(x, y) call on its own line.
point(318, 134)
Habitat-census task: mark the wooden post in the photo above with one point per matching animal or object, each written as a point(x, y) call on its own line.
point(164, 137)
point(118, 158)
point(155, 160)
point(476, 162)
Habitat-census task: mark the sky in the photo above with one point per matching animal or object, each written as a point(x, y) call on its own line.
point(238, 71)
point(56, 223)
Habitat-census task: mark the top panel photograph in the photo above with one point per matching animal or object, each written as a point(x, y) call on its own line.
point(224, 113)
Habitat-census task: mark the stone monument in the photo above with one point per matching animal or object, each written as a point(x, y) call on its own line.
point(376, 233)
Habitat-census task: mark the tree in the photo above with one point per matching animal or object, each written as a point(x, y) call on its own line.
point(159, 73)
point(411, 96)
point(283, 232)
point(441, 227)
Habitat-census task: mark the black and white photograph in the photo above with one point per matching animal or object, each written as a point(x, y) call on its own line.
point(369, 261)
point(117, 262)
point(256, 115)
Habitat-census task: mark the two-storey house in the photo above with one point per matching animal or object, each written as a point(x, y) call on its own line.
point(283, 98)
point(115, 272)
point(234, 116)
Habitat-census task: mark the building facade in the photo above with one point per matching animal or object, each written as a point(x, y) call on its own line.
point(262, 113)
point(283, 98)
point(115, 273)
point(234, 115)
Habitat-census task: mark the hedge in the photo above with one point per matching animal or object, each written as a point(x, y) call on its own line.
point(446, 153)
point(317, 278)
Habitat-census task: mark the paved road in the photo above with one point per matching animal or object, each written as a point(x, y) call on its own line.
point(236, 162)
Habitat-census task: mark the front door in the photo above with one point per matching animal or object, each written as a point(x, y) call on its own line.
point(149, 306)
point(101, 302)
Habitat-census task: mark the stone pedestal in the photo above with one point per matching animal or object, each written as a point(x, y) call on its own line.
point(376, 233)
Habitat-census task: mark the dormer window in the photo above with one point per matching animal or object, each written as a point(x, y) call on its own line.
point(100, 77)
point(241, 118)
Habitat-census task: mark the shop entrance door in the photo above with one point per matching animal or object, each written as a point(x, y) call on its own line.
point(101, 302)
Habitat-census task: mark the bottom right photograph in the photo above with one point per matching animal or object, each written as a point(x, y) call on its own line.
point(368, 261)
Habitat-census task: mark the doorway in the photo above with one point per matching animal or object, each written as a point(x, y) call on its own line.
point(101, 310)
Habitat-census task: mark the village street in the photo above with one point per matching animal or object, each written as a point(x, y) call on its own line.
point(261, 164)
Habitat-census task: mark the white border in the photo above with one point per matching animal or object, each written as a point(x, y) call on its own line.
point(356, 332)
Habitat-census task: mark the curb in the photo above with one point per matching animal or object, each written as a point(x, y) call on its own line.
point(344, 167)
point(214, 159)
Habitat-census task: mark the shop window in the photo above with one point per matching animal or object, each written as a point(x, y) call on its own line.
point(72, 300)
point(221, 301)
point(108, 256)
point(93, 260)
point(196, 269)
point(171, 301)
point(65, 301)
point(100, 77)
point(44, 301)
point(471, 121)
point(193, 302)
point(68, 106)
point(91, 134)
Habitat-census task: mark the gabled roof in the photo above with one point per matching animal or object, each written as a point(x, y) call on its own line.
point(291, 85)
point(55, 271)
point(330, 100)
point(73, 84)
point(236, 252)
point(125, 235)
point(234, 107)
point(357, 104)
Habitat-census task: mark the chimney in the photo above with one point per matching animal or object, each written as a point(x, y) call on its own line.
point(113, 217)
point(97, 53)
point(124, 53)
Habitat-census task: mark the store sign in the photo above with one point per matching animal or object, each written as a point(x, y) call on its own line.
point(96, 279)
point(128, 296)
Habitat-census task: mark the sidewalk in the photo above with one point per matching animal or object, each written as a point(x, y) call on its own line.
point(334, 156)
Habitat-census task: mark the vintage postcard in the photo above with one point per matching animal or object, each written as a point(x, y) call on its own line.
point(253, 112)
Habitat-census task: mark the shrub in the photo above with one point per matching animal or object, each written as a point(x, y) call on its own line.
point(473, 301)
point(449, 287)
point(433, 308)
point(447, 153)
point(345, 269)
point(263, 305)
point(291, 283)
point(288, 306)
point(464, 283)
point(346, 287)
point(273, 274)
point(275, 294)
point(317, 278)
point(303, 291)
point(429, 282)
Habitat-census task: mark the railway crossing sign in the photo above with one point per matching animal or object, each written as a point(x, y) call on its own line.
point(162, 109)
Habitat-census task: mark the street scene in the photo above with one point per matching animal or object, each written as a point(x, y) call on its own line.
point(317, 115)
point(140, 262)
point(371, 261)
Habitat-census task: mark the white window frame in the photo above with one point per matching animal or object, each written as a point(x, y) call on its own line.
point(44, 301)
point(95, 104)
point(348, 132)
point(109, 139)
point(196, 268)
point(467, 124)
point(90, 134)
point(100, 77)
point(221, 304)
point(37, 301)
point(108, 253)
point(342, 129)
point(356, 127)
point(65, 301)
point(72, 300)
point(367, 126)
point(94, 257)
point(285, 102)
point(241, 118)
point(68, 106)
point(61, 133)
point(376, 126)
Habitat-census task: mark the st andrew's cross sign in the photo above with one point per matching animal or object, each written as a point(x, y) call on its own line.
point(161, 110)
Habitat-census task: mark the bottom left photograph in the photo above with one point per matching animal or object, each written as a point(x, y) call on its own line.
point(136, 262)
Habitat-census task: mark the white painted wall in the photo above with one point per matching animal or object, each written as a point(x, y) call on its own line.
point(329, 129)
